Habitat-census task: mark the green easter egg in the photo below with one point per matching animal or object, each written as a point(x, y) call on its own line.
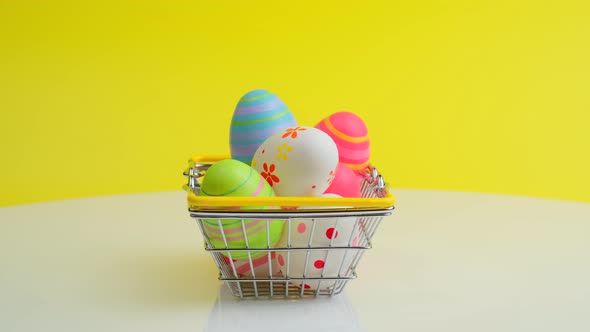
point(231, 177)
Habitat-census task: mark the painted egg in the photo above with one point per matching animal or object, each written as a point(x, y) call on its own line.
point(350, 134)
point(258, 115)
point(347, 183)
point(261, 267)
point(298, 161)
point(231, 177)
point(320, 232)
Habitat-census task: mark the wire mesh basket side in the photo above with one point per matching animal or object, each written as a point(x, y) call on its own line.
point(297, 252)
point(284, 288)
point(298, 265)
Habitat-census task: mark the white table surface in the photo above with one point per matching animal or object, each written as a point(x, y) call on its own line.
point(444, 261)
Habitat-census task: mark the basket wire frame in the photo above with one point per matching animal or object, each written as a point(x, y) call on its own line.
point(287, 284)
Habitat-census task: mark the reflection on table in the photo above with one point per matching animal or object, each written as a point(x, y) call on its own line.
point(231, 313)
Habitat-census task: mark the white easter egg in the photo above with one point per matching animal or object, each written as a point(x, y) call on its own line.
point(263, 267)
point(341, 233)
point(298, 161)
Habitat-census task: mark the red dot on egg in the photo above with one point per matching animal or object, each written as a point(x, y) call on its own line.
point(263, 151)
point(318, 264)
point(306, 286)
point(273, 254)
point(281, 260)
point(313, 187)
point(301, 228)
point(331, 233)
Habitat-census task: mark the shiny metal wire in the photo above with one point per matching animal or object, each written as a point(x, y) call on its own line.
point(288, 285)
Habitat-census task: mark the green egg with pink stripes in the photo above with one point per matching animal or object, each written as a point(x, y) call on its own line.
point(232, 177)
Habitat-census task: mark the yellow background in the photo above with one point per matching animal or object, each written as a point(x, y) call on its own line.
point(114, 97)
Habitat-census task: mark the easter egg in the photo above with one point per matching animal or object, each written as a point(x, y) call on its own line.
point(350, 134)
point(343, 232)
point(347, 183)
point(258, 115)
point(298, 161)
point(261, 267)
point(231, 177)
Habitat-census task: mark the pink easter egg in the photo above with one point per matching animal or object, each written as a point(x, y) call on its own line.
point(351, 136)
point(347, 183)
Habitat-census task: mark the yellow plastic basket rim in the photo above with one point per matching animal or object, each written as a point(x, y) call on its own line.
point(199, 202)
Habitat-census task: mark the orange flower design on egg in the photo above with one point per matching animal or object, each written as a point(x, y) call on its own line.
point(292, 132)
point(267, 174)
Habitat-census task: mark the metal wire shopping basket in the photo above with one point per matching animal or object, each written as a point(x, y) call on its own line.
point(322, 239)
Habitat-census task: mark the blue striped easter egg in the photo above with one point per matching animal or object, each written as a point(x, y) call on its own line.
point(258, 115)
